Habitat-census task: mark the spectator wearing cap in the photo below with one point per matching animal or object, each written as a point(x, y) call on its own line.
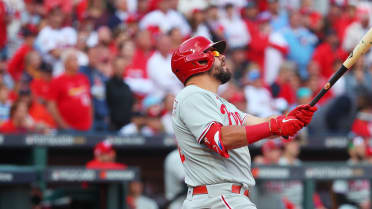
point(259, 100)
point(159, 69)
point(104, 157)
point(119, 97)
point(235, 31)
point(301, 43)
point(16, 64)
point(69, 98)
point(136, 126)
point(97, 83)
point(165, 18)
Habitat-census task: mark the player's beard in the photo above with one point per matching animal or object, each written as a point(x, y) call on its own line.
point(221, 73)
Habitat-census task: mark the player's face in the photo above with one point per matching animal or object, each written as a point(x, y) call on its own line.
point(219, 69)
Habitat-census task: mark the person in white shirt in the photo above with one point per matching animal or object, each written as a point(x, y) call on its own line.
point(259, 100)
point(54, 38)
point(135, 199)
point(165, 18)
point(235, 30)
point(159, 69)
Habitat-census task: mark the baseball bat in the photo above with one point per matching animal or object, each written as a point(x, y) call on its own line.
point(358, 51)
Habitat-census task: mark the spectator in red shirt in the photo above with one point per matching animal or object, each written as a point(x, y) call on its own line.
point(104, 157)
point(69, 97)
point(40, 86)
point(327, 53)
point(19, 121)
point(16, 64)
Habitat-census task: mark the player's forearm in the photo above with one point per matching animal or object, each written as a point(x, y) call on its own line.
point(239, 136)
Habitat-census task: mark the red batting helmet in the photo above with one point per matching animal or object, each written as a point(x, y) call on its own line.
point(191, 57)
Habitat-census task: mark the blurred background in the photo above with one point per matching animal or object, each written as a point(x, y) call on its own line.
point(86, 94)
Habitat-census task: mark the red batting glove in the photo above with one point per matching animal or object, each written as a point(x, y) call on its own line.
point(304, 113)
point(285, 125)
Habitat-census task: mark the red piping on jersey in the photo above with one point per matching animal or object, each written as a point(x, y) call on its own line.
point(223, 199)
point(205, 131)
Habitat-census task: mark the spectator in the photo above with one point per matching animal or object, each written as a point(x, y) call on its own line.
point(174, 176)
point(197, 24)
point(213, 23)
point(137, 125)
point(235, 31)
point(354, 192)
point(176, 38)
point(135, 198)
point(327, 53)
point(259, 100)
point(32, 67)
point(282, 87)
point(279, 19)
point(304, 95)
point(301, 43)
point(355, 31)
point(292, 190)
point(19, 121)
point(54, 37)
point(136, 74)
point(268, 193)
point(359, 78)
point(16, 64)
point(159, 69)
point(40, 85)
point(97, 83)
point(4, 104)
point(69, 97)
point(119, 97)
point(165, 18)
point(104, 157)
point(166, 118)
point(120, 15)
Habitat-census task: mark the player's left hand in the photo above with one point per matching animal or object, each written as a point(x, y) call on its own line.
point(303, 113)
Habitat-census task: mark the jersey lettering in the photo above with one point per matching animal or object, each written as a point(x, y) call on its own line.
point(235, 115)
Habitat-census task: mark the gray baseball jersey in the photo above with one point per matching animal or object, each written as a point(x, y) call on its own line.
point(193, 111)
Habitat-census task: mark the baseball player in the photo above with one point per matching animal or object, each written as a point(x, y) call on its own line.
point(213, 134)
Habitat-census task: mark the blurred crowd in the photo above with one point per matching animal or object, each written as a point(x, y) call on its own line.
point(104, 66)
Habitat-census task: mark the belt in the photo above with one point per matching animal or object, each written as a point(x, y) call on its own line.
point(203, 190)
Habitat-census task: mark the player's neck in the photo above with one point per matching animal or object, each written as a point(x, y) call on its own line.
point(204, 82)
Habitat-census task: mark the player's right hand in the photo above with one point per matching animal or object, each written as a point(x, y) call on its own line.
point(285, 125)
